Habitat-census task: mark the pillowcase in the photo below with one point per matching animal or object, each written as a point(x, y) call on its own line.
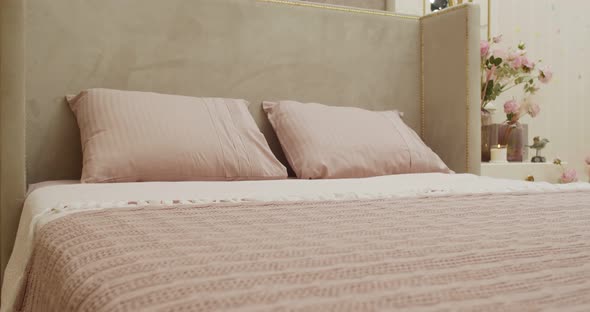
point(140, 136)
point(322, 141)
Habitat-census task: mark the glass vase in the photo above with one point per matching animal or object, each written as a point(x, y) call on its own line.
point(514, 136)
point(486, 135)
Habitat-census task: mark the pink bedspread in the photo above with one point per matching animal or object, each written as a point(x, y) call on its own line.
point(479, 252)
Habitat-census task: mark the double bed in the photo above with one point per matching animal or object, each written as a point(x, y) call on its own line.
point(418, 241)
point(428, 241)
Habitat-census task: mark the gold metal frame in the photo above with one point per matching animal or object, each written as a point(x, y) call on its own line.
point(467, 91)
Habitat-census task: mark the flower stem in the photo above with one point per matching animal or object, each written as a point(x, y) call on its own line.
point(514, 85)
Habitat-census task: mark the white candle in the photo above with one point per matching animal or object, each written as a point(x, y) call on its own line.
point(499, 154)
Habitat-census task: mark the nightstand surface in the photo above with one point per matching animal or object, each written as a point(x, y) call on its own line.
point(546, 172)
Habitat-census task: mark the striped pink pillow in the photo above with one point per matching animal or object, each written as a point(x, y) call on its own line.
point(322, 141)
point(139, 136)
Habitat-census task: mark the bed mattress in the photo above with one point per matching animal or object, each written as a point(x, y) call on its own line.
point(426, 242)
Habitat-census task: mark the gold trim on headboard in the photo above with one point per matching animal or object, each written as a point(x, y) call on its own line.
point(467, 92)
point(340, 8)
point(467, 95)
point(422, 95)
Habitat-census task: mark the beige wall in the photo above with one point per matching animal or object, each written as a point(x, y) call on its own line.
point(558, 33)
point(369, 4)
point(412, 7)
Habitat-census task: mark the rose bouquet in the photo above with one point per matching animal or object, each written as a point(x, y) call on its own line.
point(504, 69)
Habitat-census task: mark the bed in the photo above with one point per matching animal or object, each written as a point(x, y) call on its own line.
point(418, 241)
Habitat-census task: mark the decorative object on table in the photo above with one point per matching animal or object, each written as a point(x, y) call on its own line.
point(437, 5)
point(502, 70)
point(567, 175)
point(498, 154)
point(514, 136)
point(538, 145)
point(489, 137)
point(486, 135)
point(588, 166)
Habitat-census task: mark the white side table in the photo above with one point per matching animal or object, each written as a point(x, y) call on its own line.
point(541, 172)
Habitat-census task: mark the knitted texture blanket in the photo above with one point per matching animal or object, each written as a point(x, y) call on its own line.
point(469, 252)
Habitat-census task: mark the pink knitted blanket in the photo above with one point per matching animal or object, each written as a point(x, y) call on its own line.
point(479, 252)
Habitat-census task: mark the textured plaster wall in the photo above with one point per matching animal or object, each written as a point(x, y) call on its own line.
point(557, 32)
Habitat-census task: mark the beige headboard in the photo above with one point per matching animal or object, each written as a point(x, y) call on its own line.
point(252, 49)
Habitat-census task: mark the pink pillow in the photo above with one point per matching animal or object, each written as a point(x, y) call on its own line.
point(139, 136)
point(322, 141)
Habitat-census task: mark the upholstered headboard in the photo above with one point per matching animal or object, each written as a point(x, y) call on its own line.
point(253, 49)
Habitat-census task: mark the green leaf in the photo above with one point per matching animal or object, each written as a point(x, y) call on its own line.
point(490, 89)
point(497, 61)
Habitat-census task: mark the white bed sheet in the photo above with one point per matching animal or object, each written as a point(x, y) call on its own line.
point(51, 200)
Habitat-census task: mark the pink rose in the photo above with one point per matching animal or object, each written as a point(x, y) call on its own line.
point(497, 39)
point(569, 176)
point(511, 107)
point(534, 109)
point(500, 53)
point(517, 62)
point(527, 63)
point(588, 160)
point(512, 56)
point(545, 75)
point(484, 48)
